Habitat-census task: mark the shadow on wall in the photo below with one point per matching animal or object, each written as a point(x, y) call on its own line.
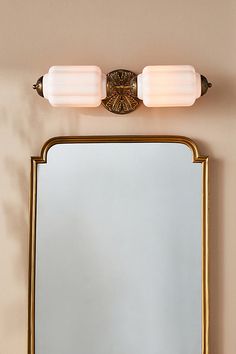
point(24, 127)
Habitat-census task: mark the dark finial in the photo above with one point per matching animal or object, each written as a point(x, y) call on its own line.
point(205, 85)
point(39, 86)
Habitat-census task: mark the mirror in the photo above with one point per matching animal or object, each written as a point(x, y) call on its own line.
point(118, 247)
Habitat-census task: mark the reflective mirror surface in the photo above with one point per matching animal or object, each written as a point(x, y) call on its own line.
point(118, 256)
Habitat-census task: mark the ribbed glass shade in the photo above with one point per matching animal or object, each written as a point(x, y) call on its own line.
point(169, 85)
point(74, 86)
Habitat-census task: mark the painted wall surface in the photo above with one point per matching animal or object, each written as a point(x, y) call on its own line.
point(115, 34)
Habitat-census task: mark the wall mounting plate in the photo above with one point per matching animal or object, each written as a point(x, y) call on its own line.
point(121, 92)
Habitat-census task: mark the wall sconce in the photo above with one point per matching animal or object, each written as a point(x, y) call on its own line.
point(121, 90)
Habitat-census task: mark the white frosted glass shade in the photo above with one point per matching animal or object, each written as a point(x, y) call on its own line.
point(74, 86)
point(169, 85)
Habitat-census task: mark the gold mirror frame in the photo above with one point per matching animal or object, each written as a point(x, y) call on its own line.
point(42, 159)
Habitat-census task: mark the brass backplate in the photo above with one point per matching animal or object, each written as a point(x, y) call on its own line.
point(121, 92)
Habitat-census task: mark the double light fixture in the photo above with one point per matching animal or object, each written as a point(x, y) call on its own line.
point(121, 90)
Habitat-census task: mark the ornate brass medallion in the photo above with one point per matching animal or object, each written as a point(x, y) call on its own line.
point(121, 92)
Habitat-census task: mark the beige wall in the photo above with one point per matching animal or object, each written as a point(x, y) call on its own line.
point(125, 34)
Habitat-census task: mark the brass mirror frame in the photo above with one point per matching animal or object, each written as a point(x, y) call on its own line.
point(42, 159)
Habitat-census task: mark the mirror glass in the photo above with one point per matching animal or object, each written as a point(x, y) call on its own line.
point(118, 250)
